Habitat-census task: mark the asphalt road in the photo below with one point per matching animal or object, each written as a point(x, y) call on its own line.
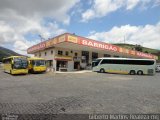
point(79, 93)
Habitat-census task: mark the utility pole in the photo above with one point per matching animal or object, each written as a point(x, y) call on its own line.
point(41, 38)
point(124, 39)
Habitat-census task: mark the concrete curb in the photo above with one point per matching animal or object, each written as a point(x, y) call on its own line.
point(84, 71)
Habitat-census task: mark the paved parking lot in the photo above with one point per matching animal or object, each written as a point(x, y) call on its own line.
point(79, 93)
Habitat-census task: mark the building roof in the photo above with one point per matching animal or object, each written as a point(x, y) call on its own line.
point(70, 40)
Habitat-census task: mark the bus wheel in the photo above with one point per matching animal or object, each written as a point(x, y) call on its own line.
point(132, 72)
point(140, 72)
point(102, 70)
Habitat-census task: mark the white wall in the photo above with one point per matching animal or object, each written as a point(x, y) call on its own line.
point(70, 65)
point(54, 64)
point(50, 56)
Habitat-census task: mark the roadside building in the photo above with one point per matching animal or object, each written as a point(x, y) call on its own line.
point(70, 52)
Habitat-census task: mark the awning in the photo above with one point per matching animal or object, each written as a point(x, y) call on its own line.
point(61, 57)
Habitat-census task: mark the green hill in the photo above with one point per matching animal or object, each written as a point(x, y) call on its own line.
point(4, 52)
point(144, 49)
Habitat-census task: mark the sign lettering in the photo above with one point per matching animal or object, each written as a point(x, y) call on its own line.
point(99, 45)
point(72, 39)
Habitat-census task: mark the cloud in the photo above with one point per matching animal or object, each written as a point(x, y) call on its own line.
point(131, 4)
point(147, 35)
point(23, 17)
point(56, 9)
point(14, 32)
point(101, 8)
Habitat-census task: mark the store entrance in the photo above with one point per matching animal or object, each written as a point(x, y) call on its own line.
point(77, 65)
point(49, 63)
point(61, 65)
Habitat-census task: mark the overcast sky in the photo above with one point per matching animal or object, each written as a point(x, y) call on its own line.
point(22, 21)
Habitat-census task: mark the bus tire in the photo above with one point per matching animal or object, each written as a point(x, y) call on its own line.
point(132, 72)
point(102, 70)
point(139, 72)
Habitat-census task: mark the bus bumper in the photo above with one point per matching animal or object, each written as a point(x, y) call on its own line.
point(41, 69)
point(21, 71)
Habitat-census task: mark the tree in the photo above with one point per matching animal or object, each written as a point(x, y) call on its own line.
point(138, 48)
point(146, 52)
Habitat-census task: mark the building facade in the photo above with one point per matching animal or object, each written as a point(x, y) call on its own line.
point(69, 52)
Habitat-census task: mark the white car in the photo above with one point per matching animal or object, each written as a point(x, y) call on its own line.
point(158, 68)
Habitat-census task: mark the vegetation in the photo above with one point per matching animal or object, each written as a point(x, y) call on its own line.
point(4, 52)
point(138, 48)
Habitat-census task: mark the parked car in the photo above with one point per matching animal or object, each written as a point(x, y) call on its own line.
point(158, 68)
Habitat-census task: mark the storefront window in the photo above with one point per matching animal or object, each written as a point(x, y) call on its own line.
point(61, 64)
point(116, 56)
point(83, 61)
point(107, 55)
point(94, 55)
point(49, 63)
point(85, 57)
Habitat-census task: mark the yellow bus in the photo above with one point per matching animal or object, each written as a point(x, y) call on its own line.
point(15, 65)
point(36, 65)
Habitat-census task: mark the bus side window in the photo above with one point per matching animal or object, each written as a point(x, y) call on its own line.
point(148, 62)
point(104, 61)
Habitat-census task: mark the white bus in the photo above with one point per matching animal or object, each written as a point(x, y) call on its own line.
point(124, 66)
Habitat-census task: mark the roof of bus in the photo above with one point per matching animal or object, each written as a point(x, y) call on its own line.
point(123, 58)
point(13, 57)
point(35, 58)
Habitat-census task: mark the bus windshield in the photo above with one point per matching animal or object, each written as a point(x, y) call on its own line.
point(95, 62)
point(39, 62)
point(20, 63)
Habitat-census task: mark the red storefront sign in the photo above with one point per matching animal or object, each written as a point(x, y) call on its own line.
point(88, 42)
point(99, 45)
point(141, 54)
point(110, 47)
point(37, 47)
